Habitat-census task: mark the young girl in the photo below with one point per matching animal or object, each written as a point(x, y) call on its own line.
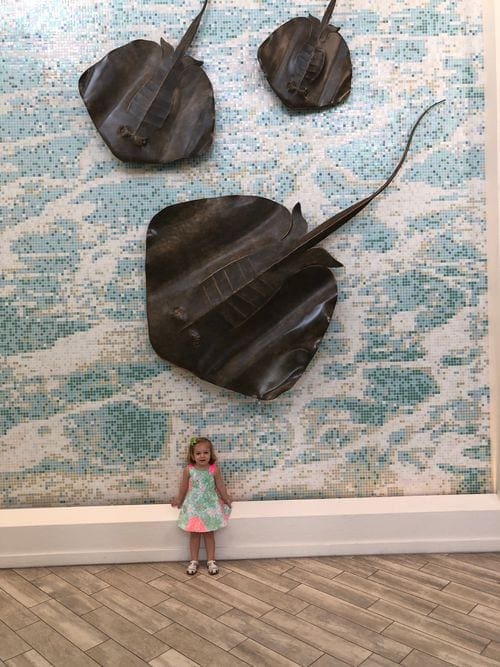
point(201, 497)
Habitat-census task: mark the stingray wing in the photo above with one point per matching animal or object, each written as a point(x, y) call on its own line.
point(222, 304)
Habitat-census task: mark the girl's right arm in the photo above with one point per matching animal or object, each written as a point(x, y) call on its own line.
point(183, 489)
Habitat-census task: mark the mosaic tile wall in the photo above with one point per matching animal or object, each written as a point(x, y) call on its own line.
point(396, 400)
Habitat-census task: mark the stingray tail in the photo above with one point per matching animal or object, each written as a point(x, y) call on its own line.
point(327, 15)
point(334, 223)
point(189, 35)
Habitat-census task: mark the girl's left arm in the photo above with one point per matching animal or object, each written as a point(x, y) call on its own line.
point(221, 488)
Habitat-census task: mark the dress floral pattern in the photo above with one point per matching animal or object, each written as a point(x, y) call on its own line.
point(202, 510)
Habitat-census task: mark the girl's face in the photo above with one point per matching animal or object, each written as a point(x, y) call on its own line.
point(201, 454)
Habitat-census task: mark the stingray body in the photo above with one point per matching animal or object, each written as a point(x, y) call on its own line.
point(307, 62)
point(150, 102)
point(238, 291)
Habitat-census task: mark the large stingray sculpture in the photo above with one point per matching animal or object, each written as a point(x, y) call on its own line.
point(151, 103)
point(307, 62)
point(237, 291)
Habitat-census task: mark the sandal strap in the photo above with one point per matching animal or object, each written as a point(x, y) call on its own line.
point(192, 567)
point(212, 567)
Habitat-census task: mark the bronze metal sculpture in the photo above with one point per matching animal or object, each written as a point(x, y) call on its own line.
point(236, 291)
point(307, 62)
point(151, 103)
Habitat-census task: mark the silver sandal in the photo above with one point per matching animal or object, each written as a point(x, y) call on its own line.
point(212, 567)
point(192, 568)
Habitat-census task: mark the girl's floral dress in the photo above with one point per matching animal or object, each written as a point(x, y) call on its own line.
point(202, 510)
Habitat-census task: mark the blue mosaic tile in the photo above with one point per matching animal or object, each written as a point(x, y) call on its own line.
point(396, 400)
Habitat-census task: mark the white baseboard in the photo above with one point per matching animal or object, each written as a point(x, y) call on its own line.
point(142, 533)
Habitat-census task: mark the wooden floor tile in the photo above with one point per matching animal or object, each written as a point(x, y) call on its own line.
point(199, 599)
point(80, 578)
point(32, 573)
point(495, 555)
point(252, 570)
point(422, 576)
point(468, 622)
point(437, 647)
point(176, 571)
point(472, 595)
point(329, 661)
point(331, 586)
point(198, 649)
point(316, 566)
point(263, 592)
point(415, 561)
point(141, 571)
point(232, 596)
point(20, 589)
point(11, 643)
point(67, 594)
point(489, 561)
point(277, 565)
point(350, 564)
point(493, 651)
point(69, 625)
point(419, 659)
point(79, 603)
point(111, 654)
point(54, 647)
point(29, 659)
point(380, 591)
point(431, 626)
point(164, 583)
point(134, 587)
point(56, 587)
point(172, 658)
point(459, 565)
point(13, 613)
point(256, 654)
point(343, 609)
point(378, 661)
point(327, 641)
point(203, 625)
point(444, 597)
point(363, 637)
point(271, 637)
point(129, 635)
point(143, 616)
point(94, 569)
point(486, 614)
point(473, 580)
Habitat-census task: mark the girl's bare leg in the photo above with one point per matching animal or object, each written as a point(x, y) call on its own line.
point(194, 545)
point(210, 545)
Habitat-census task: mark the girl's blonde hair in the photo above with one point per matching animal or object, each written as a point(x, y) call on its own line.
point(192, 444)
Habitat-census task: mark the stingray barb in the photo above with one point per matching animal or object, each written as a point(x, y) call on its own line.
point(238, 291)
point(150, 102)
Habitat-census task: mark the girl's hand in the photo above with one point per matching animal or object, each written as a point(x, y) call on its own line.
point(175, 502)
point(228, 502)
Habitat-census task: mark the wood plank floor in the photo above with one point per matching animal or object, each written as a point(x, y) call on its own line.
point(375, 611)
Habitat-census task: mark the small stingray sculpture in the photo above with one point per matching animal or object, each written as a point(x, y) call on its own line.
point(307, 62)
point(151, 103)
point(236, 291)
